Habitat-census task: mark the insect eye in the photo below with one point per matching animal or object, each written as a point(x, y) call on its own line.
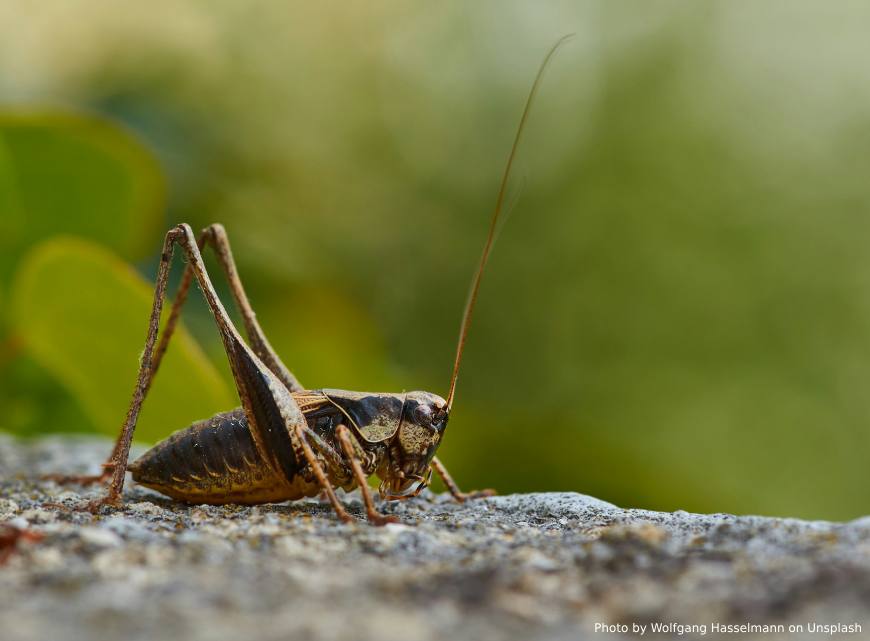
point(423, 415)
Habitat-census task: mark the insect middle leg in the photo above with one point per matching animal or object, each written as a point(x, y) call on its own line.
point(323, 459)
point(320, 474)
point(347, 444)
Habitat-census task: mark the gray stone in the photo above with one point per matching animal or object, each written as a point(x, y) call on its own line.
point(533, 566)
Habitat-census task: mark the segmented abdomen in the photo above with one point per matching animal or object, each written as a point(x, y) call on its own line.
point(216, 461)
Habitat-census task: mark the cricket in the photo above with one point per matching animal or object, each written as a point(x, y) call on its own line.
point(287, 442)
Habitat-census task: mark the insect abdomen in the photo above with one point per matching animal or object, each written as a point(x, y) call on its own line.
point(216, 461)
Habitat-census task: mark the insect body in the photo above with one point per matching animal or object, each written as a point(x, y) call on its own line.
point(285, 441)
point(217, 461)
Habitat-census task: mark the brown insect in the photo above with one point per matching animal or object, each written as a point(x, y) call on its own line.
point(287, 442)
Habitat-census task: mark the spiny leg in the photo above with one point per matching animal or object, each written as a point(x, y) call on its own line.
point(331, 457)
point(117, 463)
point(81, 479)
point(374, 516)
point(160, 350)
point(320, 475)
point(458, 494)
point(216, 236)
point(276, 423)
point(242, 362)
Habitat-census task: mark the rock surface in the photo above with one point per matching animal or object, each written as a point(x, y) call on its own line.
point(535, 566)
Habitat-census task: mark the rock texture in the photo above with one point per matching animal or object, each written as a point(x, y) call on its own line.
point(536, 566)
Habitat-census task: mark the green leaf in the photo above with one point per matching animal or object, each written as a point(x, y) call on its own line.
point(82, 314)
point(75, 174)
point(65, 173)
point(317, 327)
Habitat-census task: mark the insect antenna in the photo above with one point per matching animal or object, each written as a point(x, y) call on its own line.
point(493, 223)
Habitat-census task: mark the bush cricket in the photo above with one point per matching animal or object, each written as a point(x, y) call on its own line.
point(287, 442)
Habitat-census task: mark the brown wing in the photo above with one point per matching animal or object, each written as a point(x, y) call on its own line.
point(310, 401)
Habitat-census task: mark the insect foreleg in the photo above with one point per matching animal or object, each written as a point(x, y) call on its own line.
point(352, 454)
point(458, 494)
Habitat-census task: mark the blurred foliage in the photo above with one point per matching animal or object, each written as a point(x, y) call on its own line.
point(676, 316)
point(75, 175)
point(65, 174)
point(78, 311)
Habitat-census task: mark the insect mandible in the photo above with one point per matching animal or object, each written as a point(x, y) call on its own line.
point(286, 442)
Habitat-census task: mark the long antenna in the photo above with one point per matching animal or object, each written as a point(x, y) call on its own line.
point(499, 203)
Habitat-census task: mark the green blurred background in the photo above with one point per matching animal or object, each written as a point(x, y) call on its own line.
point(676, 316)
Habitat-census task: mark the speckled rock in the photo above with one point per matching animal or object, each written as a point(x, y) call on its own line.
point(534, 566)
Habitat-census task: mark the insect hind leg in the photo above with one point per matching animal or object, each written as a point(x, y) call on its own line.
point(121, 449)
point(116, 466)
point(216, 236)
